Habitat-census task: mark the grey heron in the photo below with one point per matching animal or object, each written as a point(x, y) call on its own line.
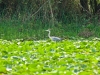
point(53, 38)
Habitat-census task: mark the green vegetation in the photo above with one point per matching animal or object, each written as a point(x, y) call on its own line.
point(24, 45)
point(35, 30)
point(68, 57)
point(27, 19)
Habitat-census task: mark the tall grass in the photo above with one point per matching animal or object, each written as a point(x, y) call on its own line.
point(70, 26)
point(15, 29)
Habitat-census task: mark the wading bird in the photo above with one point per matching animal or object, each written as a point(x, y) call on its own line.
point(53, 38)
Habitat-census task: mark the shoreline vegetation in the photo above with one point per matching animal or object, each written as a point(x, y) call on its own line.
point(25, 48)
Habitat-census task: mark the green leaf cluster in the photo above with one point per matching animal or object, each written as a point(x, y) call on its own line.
point(68, 57)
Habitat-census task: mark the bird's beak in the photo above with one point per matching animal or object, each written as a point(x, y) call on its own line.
point(45, 30)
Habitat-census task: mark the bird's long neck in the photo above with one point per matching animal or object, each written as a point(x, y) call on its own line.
point(49, 34)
